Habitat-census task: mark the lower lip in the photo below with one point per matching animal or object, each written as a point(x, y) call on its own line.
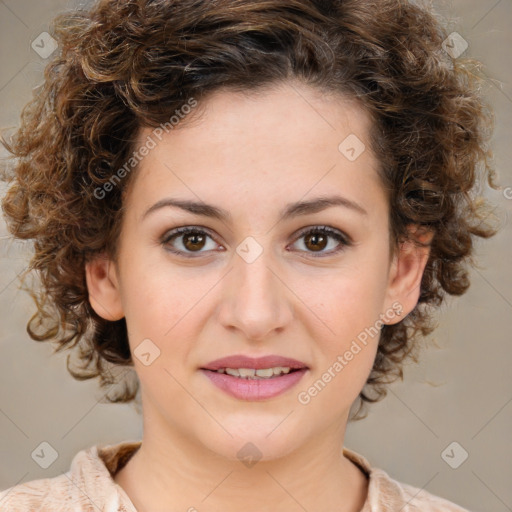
point(254, 389)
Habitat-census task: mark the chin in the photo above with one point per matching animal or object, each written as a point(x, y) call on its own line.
point(254, 438)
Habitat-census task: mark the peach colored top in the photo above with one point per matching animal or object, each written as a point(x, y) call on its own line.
point(89, 486)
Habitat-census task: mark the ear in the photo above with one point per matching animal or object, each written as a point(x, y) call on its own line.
point(406, 273)
point(103, 287)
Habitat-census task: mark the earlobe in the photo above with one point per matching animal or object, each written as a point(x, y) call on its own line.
point(103, 288)
point(406, 275)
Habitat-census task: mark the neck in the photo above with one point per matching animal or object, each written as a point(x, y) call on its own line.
point(170, 469)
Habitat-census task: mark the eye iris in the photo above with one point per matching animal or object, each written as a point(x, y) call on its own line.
point(315, 237)
point(195, 239)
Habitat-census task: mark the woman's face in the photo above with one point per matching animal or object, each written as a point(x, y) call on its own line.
point(254, 278)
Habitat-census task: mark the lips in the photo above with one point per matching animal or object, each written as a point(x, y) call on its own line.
point(250, 388)
point(241, 361)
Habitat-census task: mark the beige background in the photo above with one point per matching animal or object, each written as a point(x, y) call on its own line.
point(470, 403)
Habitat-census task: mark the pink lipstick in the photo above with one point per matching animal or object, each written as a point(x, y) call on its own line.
point(254, 379)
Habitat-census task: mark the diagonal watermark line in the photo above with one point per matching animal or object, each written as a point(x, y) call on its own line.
point(280, 423)
point(494, 288)
point(494, 416)
point(14, 76)
point(90, 409)
point(83, 492)
point(486, 14)
point(502, 91)
point(492, 81)
point(304, 195)
point(12, 280)
point(97, 402)
point(291, 85)
point(286, 491)
point(13, 486)
point(301, 300)
point(167, 166)
point(198, 402)
point(192, 307)
point(413, 412)
point(217, 486)
point(508, 508)
point(13, 13)
point(421, 489)
point(13, 423)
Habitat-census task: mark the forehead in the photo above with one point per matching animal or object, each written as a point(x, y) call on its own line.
point(285, 140)
point(291, 110)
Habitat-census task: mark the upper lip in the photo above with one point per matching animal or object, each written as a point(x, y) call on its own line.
point(241, 361)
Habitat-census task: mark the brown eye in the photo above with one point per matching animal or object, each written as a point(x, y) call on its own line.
point(194, 241)
point(315, 241)
point(186, 241)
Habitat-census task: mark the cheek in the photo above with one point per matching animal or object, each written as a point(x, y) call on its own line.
point(152, 305)
point(346, 301)
point(162, 321)
point(167, 306)
point(350, 307)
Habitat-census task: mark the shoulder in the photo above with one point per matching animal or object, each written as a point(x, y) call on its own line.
point(419, 499)
point(407, 497)
point(57, 494)
point(386, 494)
point(86, 487)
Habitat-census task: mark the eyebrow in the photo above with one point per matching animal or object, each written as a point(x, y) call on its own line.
point(289, 211)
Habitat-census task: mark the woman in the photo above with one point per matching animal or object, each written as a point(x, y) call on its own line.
point(252, 203)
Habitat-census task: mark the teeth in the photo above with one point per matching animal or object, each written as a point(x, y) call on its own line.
point(251, 373)
point(281, 369)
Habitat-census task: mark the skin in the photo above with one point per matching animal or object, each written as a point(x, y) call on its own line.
point(252, 155)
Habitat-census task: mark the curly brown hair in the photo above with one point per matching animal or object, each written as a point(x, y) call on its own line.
point(127, 64)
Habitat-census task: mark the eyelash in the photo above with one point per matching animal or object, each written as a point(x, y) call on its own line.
point(344, 240)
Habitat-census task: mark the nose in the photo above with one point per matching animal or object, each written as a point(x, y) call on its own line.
point(255, 299)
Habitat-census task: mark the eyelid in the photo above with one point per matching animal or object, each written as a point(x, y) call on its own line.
point(328, 230)
point(177, 232)
point(341, 237)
